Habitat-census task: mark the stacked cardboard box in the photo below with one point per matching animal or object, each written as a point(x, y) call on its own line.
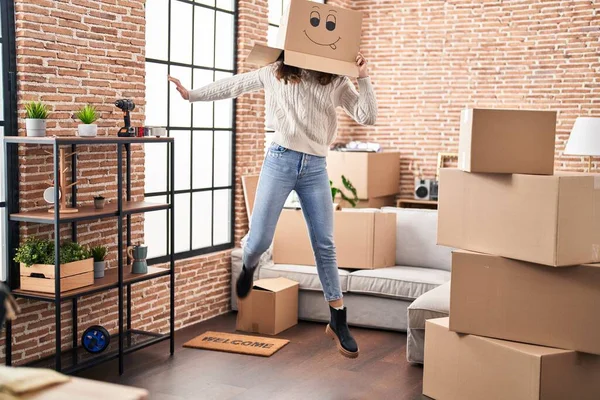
point(523, 323)
point(376, 176)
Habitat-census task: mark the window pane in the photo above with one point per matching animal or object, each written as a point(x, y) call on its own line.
point(155, 229)
point(202, 206)
point(204, 37)
point(225, 4)
point(156, 94)
point(181, 32)
point(156, 168)
point(180, 110)
point(203, 147)
point(224, 50)
point(157, 35)
point(2, 245)
point(223, 158)
point(2, 183)
point(182, 222)
point(182, 159)
point(223, 108)
point(1, 87)
point(275, 11)
point(203, 110)
point(207, 2)
point(222, 215)
point(272, 36)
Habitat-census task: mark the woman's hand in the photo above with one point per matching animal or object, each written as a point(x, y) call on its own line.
point(182, 90)
point(361, 63)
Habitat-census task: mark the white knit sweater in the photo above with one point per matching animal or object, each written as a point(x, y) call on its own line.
point(302, 114)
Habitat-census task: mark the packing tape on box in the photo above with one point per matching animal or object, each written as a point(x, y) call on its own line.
point(255, 327)
point(596, 252)
point(463, 162)
point(596, 182)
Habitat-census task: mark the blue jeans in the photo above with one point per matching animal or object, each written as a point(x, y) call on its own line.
point(285, 170)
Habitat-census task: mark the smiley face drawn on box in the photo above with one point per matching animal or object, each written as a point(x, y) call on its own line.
point(322, 30)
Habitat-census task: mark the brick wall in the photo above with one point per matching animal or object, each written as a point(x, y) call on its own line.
point(73, 52)
point(430, 59)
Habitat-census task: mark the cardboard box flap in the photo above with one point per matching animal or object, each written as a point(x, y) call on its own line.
point(262, 55)
point(323, 64)
point(274, 285)
point(250, 184)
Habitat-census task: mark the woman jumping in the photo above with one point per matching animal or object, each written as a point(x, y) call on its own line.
point(301, 109)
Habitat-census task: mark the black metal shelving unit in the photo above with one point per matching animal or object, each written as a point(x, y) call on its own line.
point(128, 340)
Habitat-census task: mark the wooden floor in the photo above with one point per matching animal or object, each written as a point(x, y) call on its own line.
point(308, 368)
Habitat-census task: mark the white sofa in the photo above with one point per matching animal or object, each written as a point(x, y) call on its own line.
point(380, 298)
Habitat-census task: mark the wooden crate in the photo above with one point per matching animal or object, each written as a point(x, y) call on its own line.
point(74, 275)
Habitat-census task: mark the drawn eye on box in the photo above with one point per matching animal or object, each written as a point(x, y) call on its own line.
point(316, 23)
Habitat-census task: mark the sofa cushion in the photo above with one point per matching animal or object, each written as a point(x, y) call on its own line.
point(406, 283)
point(305, 275)
point(416, 239)
point(433, 304)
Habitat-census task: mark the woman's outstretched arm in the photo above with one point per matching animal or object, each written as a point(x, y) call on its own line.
point(222, 89)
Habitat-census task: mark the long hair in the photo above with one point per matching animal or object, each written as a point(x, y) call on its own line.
point(289, 74)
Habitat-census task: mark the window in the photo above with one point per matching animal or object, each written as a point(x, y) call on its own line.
point(195, 42)
point(7, 116)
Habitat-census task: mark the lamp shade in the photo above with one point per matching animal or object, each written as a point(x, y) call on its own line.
point(585, 137)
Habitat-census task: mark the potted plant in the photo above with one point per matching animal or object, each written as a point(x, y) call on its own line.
point(353, 201)
point(37, 113)
point(99, 255)
point(36, 258)
point(99, 202)
point(87, 115)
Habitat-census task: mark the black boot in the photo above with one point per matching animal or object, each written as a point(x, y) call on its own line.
point(245, 282)
point(338, 330)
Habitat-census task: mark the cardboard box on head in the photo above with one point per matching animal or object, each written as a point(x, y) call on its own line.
point(315, 36)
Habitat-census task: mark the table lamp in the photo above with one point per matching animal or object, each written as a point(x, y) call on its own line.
point(585, 139)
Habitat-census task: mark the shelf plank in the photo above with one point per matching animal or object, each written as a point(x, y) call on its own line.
point(110, 281)
point(88, 212)
point(63, 140)
point(78, 359)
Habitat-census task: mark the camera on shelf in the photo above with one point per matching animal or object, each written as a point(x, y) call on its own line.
point(126, 105)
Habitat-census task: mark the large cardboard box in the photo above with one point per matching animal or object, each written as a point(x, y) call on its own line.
point(372, 174)
point(515, 300)
point(465, 367)
point(364, 240)
point(315, 36)
point(550, 220)
point(270, 308)
point(507, 141)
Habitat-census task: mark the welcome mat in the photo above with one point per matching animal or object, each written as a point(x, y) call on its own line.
point(233, 343)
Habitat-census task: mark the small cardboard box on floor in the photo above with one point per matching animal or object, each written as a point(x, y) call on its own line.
point(465, 367)
point(515, 300)
point(551, 220)
point(270, 308)
point(363, 239)
point(376, 176)
point(507, 141)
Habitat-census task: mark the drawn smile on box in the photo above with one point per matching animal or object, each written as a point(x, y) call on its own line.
point(332, 45)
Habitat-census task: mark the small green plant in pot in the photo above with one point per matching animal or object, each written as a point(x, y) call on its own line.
point(87, 115)
point(37, 113)
point(99, 202)
point(99, 254)
point(353, 201)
